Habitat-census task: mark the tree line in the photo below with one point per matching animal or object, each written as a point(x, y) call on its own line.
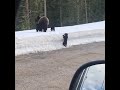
point(59, 12)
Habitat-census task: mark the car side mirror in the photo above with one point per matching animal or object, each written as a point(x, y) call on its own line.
point(90, 76)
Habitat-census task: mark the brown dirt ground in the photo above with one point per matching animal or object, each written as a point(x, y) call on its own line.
point(53, 70)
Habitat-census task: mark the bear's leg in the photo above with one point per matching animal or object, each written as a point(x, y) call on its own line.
point(44, 30)
point(45, 27)
point(63, 43)
point(37, 27)
point(40, 29)
point(36, 30)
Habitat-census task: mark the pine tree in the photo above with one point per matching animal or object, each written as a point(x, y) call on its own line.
point(59, 12)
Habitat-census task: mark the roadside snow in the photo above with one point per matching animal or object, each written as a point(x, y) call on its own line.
point(30, 41)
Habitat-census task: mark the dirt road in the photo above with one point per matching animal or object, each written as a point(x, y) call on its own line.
point(53, 70)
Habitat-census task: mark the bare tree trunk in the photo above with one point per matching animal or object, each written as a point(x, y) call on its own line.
point(78, 10)
point(86, 12)
point(27, 14)
point(36, 5)
point(60, 13)
point(45, 12)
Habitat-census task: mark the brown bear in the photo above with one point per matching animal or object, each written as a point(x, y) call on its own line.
point(43, 23)
point(65, 37)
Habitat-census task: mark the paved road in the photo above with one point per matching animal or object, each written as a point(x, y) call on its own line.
point(53, 70)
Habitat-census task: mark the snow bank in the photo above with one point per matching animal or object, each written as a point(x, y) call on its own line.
point(30, 41)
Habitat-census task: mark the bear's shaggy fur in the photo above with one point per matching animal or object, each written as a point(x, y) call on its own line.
point(65, 37)
point(43, 23)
